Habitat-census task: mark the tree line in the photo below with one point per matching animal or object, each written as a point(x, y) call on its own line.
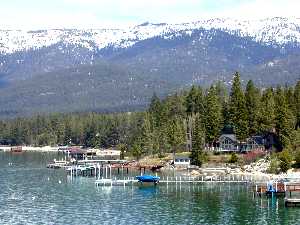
point(191, 119)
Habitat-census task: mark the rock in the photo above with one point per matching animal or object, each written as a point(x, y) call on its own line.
point(195, 173)
point(228, 170)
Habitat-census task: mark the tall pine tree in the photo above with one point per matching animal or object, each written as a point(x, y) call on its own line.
point(198, 142)
point(266, 116)
point(213, 116)
point(238, 110)
point(252, 97)
point(284, 119)
point(297, 103)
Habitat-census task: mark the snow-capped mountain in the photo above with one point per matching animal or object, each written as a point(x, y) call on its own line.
point(69, 70)
point(268, 31)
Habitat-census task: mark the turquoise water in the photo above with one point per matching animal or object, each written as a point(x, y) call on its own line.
point(32, 194)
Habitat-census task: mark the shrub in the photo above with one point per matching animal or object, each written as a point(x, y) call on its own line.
point(233, 158)
point(297, 159)
point(253, 156)
point(274, 166)
point(198, 158)
point(285, 161)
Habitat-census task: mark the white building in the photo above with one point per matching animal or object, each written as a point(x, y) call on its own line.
point(182, 161)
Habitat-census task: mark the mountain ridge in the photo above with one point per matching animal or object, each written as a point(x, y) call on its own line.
point(276, 30)
point(69, 70)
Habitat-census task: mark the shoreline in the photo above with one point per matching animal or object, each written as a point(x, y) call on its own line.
point(31, 149)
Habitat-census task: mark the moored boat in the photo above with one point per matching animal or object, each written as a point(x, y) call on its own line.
point(16, 149)
point(148, 178)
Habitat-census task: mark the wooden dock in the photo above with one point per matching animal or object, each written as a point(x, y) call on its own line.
point(292, 202)
point(168, 180)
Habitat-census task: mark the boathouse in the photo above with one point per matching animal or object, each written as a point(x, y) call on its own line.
point(109, 154)
point(182, 161)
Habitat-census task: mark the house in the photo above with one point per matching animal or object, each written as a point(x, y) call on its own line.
point(227, 143)
point(253, 143)
point(182, 161)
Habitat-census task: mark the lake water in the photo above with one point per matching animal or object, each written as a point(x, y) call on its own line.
point(32, 194)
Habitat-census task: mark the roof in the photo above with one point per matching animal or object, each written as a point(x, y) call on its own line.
point(182, 157)
point(230, 136)
point(258, 139)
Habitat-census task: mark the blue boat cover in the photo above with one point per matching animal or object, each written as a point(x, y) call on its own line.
point(147, 178)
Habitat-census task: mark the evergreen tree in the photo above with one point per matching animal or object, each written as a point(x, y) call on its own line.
point(266, 116)
point(136, 150)
point(297, 103)
point(176, 134)
point(284, 120)
point(290, 99)
point(238, 110)
point(252, 97)
point(195, 101)
point(198, 142)
point(146, 135)
point(91, 138)
point(213, 116)
point(155, 110)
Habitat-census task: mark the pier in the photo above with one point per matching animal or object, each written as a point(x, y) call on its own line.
point(280, 188)
point(174, 180)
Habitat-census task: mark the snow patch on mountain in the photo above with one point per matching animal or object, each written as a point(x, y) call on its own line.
point(268, 31)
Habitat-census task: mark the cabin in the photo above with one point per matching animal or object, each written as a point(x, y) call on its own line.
point(182, 161)
point(227, 143)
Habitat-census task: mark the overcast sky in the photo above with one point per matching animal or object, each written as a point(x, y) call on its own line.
point(40, 14)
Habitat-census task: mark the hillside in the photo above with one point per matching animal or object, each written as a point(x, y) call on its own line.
point(114, 69)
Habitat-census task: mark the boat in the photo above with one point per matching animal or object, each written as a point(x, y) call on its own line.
point(148, 178)
point(16, 149)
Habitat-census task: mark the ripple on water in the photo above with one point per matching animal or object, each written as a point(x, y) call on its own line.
point(34, 196)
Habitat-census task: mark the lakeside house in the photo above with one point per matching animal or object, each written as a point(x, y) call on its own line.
point(230, 143)
point(227, 143)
